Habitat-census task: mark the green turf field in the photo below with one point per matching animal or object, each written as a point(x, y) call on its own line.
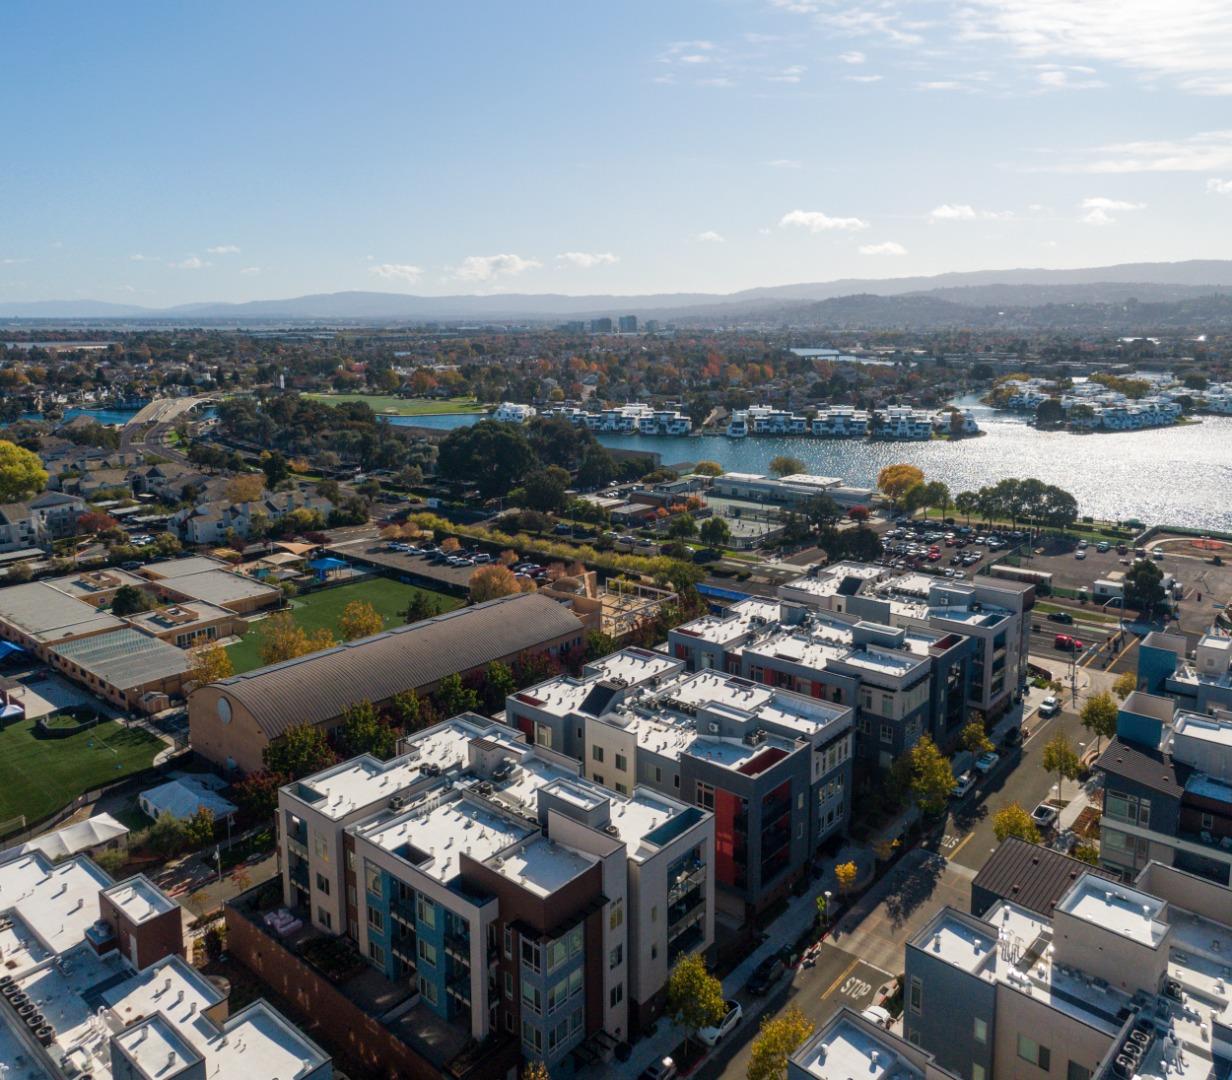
point(38, 776)
point(324, 608)
point(396, 406)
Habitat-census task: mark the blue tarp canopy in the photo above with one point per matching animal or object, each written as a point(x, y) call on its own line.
point(327, 564)
point(7, 649)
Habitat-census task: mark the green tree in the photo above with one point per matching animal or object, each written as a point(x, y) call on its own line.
point(596, 468)
point(453, 696)
point(708, 468)
point(967, 503)
point(1013, 820)
point(498, 684)
point(715, 532)
point(21, 473)
point(1126, 684)
point(422, 605)
point(491, 455)
point(1099, 717)
point(129, 600)
point(1087, 853)
point(975, 738)
point(298, 752)
point(199, 829)
point(682, 526)
point(780, 1036)
point(544, 489)
point(938, 495)
point(257, 793)
point(166, 837)
point(1144, 590)
point(786, 465)
point(932, 779)
point(599, 644)
point(406, 709)
point(694, 996)
point(275, 467)
point(362, 731)
point(1061, 758)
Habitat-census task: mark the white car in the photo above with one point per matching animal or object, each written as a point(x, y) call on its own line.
point(1050, 706)
point(877, 1015)
point(711, 1035)
point(963, 785)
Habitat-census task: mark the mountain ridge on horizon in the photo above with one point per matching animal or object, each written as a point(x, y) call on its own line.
point(1024, 286)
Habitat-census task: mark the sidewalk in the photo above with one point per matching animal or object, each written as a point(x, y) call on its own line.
point(784, 930)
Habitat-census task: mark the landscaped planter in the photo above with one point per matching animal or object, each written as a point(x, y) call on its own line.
point(66, 722)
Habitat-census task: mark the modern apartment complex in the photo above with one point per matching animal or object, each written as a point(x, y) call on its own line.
point(1113, 981)
point(1202, 682)
point(851, 1046)
point(517, 898)
point(1167, 789)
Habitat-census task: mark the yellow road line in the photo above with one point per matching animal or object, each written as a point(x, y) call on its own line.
point(834, 985)
point(1132, 642)
point(965, 841)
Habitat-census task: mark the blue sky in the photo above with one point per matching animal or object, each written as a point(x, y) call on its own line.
point(166, 153)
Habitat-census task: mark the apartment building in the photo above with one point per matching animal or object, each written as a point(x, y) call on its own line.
point(850, 1046)
point(516, 897)
point(902, 682)
point(994, 614)
point(40, 520)
point(1167, 789)
point(773, 766)
point(1202, 682)
point(1114, 981)
point(102, 964)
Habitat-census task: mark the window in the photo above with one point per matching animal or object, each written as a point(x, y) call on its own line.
point(427, 952)
point(977, 1072)
point(322, 884)
point(1074, 1071)
point(532, 998)
point(1208, 821)
point(425, 911)
point(596, 753)
point(428, 990)
point(917, 994)
point(376, 919)
point(622, 762)
point(1031, 1051)
point(887, 733)
point(616, 956)
point(800, 801)
point(543, 735)
point(654, 952)
point(658, 775)
point(532, 1036)
point(324, 918)
point(676, 780)
point(800, 830)
point(320, 845)
point(376, 952)
point(509, 985)
point(705, 796)
point(372, 878)
point(981, 1031)
point(530, 955)
point(622, 789)
point(597, 777)
point(617, 916)
point(617, 995)
point(508, 943)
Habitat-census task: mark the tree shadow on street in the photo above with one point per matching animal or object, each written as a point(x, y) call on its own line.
point(912, 889)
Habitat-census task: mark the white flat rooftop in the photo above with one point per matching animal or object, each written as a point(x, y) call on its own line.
point(640, 814)
point(139, 899)
point(736, 621)
point(954, 941)
point(846, 1050)
point(1202, 729)
point(634, 665)
point(359, 783)
point(543, 866)
point(1115, 907)
point(57, 903)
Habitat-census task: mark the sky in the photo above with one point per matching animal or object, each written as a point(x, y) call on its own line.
point(159, 153)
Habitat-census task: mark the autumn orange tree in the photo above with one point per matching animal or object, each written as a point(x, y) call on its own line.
point(282, 638)
point(359, 620)
point(896, 480)
point(211, 663)
point(496, 580)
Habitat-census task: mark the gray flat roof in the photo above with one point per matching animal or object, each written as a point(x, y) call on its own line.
point(217, 586)
point(126, 658)
point(46, 613)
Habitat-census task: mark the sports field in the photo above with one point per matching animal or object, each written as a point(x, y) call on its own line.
point(324, 608)
point(396, 406)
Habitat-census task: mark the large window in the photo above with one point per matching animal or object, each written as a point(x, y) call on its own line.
point(705, 796)
point(532, 1037)
point(1130, 809)
point(1074, 1071)
point(596, 753)
point(917, 994)
point(532, 998)
point(530, 954)
point(427, 952)
point(376, 920)
point(565, 946)
point(981, 1030)
point(1031, 1051)
point(617, 916)
point(425, 911)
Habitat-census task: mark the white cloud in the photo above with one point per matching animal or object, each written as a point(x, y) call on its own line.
point(1186, 42)
point(853, 57)
point(941, 84)
point(1207, 150)
point(710, 237)
point(1057, 78)
point(223, 249)
point(138, 257)
point(784, 163)
point(789, 74)
point(1219, 187)
point(815, 221)
point(721, 81)
point(1099, 209)
point(193, 262)
point(694, 58)
point(397, 272)
point(966, 212)
point(863, 78)
point(887, 248)
point(487, 267)
point(251, 270)
point(865, 22)
point(585, 260)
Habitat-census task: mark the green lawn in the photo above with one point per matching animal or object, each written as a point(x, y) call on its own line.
point(38, 776)
point(318, 609)
point(385, 403)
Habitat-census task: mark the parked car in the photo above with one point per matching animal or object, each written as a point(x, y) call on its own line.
point(711, 1035)
point(1050, 706)
point(765, 975)
point(963, 785)
point(1081, 553)
point(987, 761)
point(1067, 644)
point(663, 1069)
point(1061, 617)
point(1044, 815)
point(875, 1014)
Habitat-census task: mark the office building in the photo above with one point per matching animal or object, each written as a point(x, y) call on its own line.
point(601, 326)
point(628, 324)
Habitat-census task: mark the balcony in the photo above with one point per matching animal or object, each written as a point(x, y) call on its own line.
point(772, 811)
point(459, 947)
point(685, 882)
point(683, 909)
point(774, 840)
point(299, 873)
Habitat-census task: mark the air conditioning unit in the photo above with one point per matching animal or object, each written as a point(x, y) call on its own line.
point(713, 728)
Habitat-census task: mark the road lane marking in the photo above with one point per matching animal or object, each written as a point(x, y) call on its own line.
point(846, 971)
point(1133, 641)
point(954, 854)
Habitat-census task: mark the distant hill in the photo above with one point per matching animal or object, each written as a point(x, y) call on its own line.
point(924, 301)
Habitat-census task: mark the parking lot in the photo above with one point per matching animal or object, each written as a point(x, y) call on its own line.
point(424, 566)
point(957, 552)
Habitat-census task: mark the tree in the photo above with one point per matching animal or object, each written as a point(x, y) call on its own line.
point(1061, 758)
point(966, 503)
point(932, 779)
point(1125, 685)
point(715, 532)
point(405, 708)
point(822, 513)
point(859, 514)
point(681, 527)
point(786, 465)
point(1049, 413)
point(129, 600)
point(362, 731)
point(211, 663)
point(166, 837)
point(1099, 716)
point(895, 480)
point(975, 738)
point(299, 751)
point(544, 489)
point(454, 697)
point(257, 793)
point(282, 638)
point(21, 473)
point(247, 487)
point(1144, 588)
point(846, 874)
point(1013, 820)
point(498, 684)
point(708, 468)
point(422, 605)
point(359, 620)
point(492, 581)
point(535, 1070)
point(596, 468)
point(95, 522)
point(937, 494)
point(491, 455)
point(779, 1037)
point(275, 467)
point(199, 829)
point(1087, 853)
point(694, 996)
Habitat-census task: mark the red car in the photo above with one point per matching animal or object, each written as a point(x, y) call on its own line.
point(1068, 644)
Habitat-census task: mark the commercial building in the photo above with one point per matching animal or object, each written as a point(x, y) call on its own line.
point(232, 721)
point(901, 682)
point(628, 324)
point(1167, 789)
point(788, 490)
point(102, 966)
point(1114, 981)
point(513, 897)
point(773, 766)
